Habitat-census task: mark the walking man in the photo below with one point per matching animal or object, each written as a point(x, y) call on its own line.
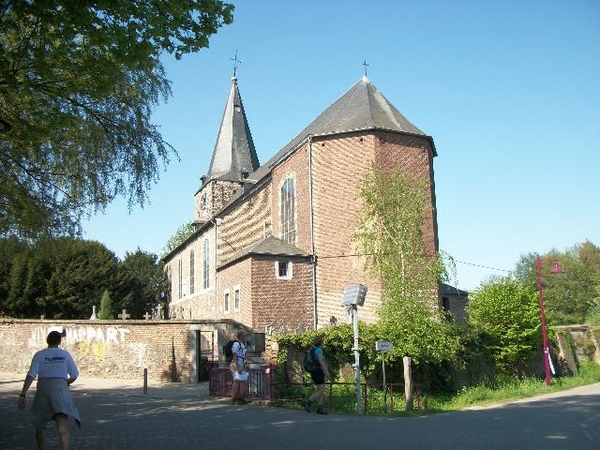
point(318, 376)
point(55, 371)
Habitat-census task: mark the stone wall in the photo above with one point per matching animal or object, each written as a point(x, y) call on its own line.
point(169, 350)
point(576, 344)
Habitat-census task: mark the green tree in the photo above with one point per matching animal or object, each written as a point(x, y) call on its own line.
point(106, 307)
point(60, 279)
point(507, 315)
point(78, 84)
point(182, 233)
point(82, 272)
point(9, 249)
point(142, 283)
point(390, 234)
point(569, 297)
point(17, 304)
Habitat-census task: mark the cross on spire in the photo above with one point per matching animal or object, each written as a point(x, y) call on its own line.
point(366, 65)
point(236, 61)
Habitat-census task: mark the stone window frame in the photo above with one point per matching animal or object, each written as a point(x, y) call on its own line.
point(226, 300)
point(206, 264)
point(179, 279)
point(170, 277)
point(204, 202)
point(237, 298)
point(192, 264)
point(287, 209)
point(288, 269)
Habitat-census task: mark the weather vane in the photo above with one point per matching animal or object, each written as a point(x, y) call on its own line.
point(236, 61)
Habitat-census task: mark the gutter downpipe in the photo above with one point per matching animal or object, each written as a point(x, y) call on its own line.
point(312, 232)
point(216, 221)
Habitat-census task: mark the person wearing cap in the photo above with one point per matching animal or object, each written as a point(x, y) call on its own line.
point(55, 371)
point(239, 387)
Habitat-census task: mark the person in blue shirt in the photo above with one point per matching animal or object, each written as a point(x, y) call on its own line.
point(318, 376)
point(55, 371)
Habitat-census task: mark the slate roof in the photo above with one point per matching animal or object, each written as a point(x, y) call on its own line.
point(234, 151)
point(361, 108)
point(270, 246)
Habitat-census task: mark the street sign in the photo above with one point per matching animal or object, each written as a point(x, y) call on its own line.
point(383, 346)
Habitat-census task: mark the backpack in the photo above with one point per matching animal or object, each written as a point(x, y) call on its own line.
point(310, 360)
point(227, 351)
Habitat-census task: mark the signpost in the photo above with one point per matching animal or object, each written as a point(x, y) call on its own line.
point(383, 347)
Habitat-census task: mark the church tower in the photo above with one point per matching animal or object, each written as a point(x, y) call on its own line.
point(234, 158)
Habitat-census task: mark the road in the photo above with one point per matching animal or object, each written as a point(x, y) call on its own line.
point(118, 415)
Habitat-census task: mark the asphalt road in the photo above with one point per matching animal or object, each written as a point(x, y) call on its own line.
point(118, 415)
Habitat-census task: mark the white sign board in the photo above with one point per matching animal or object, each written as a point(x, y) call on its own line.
point(383, 346)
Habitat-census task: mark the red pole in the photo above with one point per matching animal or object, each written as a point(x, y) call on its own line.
point(544, 331)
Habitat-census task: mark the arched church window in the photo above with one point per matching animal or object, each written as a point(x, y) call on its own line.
point(191, 271)
point(206, 265)
point(179, 279)
point(288, 211)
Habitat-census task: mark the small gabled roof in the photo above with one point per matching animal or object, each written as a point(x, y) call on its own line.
point(270, 246)
point(234, 151)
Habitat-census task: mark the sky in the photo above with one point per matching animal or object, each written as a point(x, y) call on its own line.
point(509, 91)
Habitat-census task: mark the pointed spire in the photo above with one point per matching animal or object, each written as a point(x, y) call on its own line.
point(234, 155)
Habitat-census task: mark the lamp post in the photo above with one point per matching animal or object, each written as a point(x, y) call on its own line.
point(556, 269)
point(354, 296)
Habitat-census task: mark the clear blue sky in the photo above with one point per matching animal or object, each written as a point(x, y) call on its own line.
point(509, 91)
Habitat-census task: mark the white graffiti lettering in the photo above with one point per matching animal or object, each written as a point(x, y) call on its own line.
point(106, 334)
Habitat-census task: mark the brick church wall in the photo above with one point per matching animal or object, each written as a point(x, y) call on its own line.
point(231, 279)
point(245, 225)
point(339, 163)
point(285, 305)
point(414, 156)
point(295, 167)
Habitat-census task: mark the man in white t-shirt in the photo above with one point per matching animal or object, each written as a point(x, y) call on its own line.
point(239, 388)
point(55, 371)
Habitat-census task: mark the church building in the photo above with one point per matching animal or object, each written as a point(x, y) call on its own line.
point(272, 248)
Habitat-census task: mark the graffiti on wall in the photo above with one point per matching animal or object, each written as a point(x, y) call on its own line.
point(89, 334)
point(93, 341)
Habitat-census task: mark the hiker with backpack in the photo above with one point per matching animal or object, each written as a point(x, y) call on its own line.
point(239, 388)
point(318, 374)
